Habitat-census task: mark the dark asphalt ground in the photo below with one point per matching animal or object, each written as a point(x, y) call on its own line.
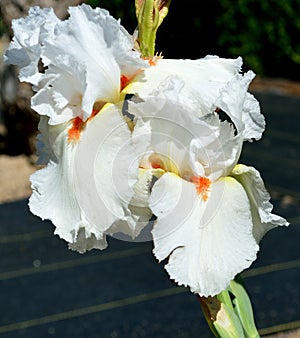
point(47, 290)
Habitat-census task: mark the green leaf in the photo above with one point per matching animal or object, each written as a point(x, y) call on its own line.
point(224, 297)
point(243, 307)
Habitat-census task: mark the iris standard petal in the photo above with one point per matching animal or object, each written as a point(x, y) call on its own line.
point(60, 96)
point(26, 47)
point(254, 121)
point(242, 107)
point(199, 81)
point(92, 38)
point(205, 85)
point(85, 60)
point(185, 144)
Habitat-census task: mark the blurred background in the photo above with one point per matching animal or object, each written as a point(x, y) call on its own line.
point(48, 290)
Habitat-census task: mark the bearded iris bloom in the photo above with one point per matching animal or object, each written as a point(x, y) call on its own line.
point(171, 152)
point(78, 68)
point(211, 212)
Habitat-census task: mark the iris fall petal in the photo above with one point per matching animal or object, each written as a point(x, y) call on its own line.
point(206, 243)
point(261, 207)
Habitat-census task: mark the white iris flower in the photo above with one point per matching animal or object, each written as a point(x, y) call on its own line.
point(174, 154)
point(76, 67)
point(211, 213)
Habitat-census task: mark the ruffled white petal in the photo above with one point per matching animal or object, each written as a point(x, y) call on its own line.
point(60, 96)
point(139, 203)
point(205, 85)
point(96, 41)
point(261, 208)
point(199, 81)
point(185, 144)
point(242, 107)
point(84, 58)
point(254, 121)
point(53, 196)
point(26, 47)
point(87, 186)
point(43, 144)
point(106, 170)
point(117, 39)
point(207, 243)
point(140, 212)
point(86, 240)
point(82, 39)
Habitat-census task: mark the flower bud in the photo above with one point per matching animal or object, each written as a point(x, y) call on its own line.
point(150, 14)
